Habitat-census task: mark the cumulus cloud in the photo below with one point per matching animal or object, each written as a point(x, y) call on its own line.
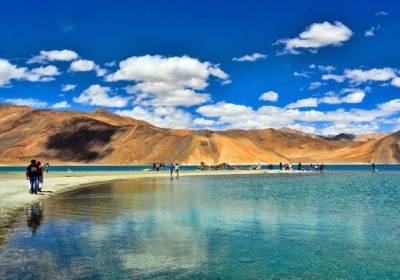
point(269, 96)
point(244, 117)
point(396, 82)
point(68, 87)
point(203, 122)
point(31, 102)
point(59, 105)
point(358, 76)
point(316, 36)
point(46, 56)
point(253, 57)
point(100, 96)
point(166, 117)
point(83, 65)
point(302, 103)
point(10, 72)
point(349, 128)
point(167, 81)
point(337, 78)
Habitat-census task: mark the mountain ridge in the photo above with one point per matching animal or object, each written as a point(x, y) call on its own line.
point(102, 137)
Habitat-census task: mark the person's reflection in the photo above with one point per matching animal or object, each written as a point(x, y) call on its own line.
point(35, 215)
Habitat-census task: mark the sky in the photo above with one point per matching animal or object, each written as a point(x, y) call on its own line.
point(324, 67)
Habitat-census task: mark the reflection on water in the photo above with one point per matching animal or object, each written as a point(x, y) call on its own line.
point(34, 216)
point(338, 225)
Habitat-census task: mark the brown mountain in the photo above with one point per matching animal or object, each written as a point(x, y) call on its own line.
point(101, 137)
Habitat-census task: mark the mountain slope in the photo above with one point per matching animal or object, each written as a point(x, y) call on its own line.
point(101, 137)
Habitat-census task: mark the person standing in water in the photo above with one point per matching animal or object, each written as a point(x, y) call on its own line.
point(32, 174)
point(171, 168)
point(177, 169)
point(373, 167)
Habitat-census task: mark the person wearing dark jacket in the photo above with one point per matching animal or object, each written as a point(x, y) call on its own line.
point(32, 174)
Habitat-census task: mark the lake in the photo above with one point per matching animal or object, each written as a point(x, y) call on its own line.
point(333, 225)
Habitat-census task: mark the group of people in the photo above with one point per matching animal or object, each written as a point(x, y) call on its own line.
point(300, 167)
point(172, 168)
point(34, 174)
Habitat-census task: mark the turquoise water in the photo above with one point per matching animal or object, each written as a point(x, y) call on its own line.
point(328, 167)
point(335, 225)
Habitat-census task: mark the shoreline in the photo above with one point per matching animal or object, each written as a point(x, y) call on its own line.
point(14, 196)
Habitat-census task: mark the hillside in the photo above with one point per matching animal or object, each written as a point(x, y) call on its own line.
point(101, 137)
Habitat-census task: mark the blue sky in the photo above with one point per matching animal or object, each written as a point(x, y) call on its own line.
point(317, 66)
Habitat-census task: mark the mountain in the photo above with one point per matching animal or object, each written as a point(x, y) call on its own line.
point(101, 137)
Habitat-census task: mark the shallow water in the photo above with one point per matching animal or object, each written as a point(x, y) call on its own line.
point(336, 225)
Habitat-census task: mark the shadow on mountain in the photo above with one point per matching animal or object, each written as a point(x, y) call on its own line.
point(82, 139)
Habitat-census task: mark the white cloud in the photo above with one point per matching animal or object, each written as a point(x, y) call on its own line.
point(222, 108)
point(110, 64)
point(349, 128)
point(370, 32)
point(316, 36)
point(203, 122)
point(59, 105)
point(355, 97)
point(337, 78)
point(381, 13)
point(396, 82)
point(166, 117)
point(253, 57)
point(328, 68)
point(10, 72)
point(27, 102)
point(68, 87)
point(359, 76)
point(315, 85)
point(302, 74)
point(312, 66)
point(308, 102)
point(46, 71)
point(99, 96)
point(45, 56)
point(269, 96)
point(167, 81)
point(84, 65)
point(304, 128)
point(330, 100)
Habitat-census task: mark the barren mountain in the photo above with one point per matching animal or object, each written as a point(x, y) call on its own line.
point(101, 137)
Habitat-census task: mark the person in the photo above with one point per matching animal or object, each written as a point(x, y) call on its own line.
point(154, 166)
point(47, 167)
point(299, 167)
point(163, 167)
point(177, 169)
point(280, 166)
point(171, 168)
point(32, 174)
point(157, 166)
point(373, 167)
point(41, 171)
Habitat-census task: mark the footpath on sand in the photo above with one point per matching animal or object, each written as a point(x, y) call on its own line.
point(14, 196)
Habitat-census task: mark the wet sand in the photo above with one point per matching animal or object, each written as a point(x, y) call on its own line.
point(14, 196)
